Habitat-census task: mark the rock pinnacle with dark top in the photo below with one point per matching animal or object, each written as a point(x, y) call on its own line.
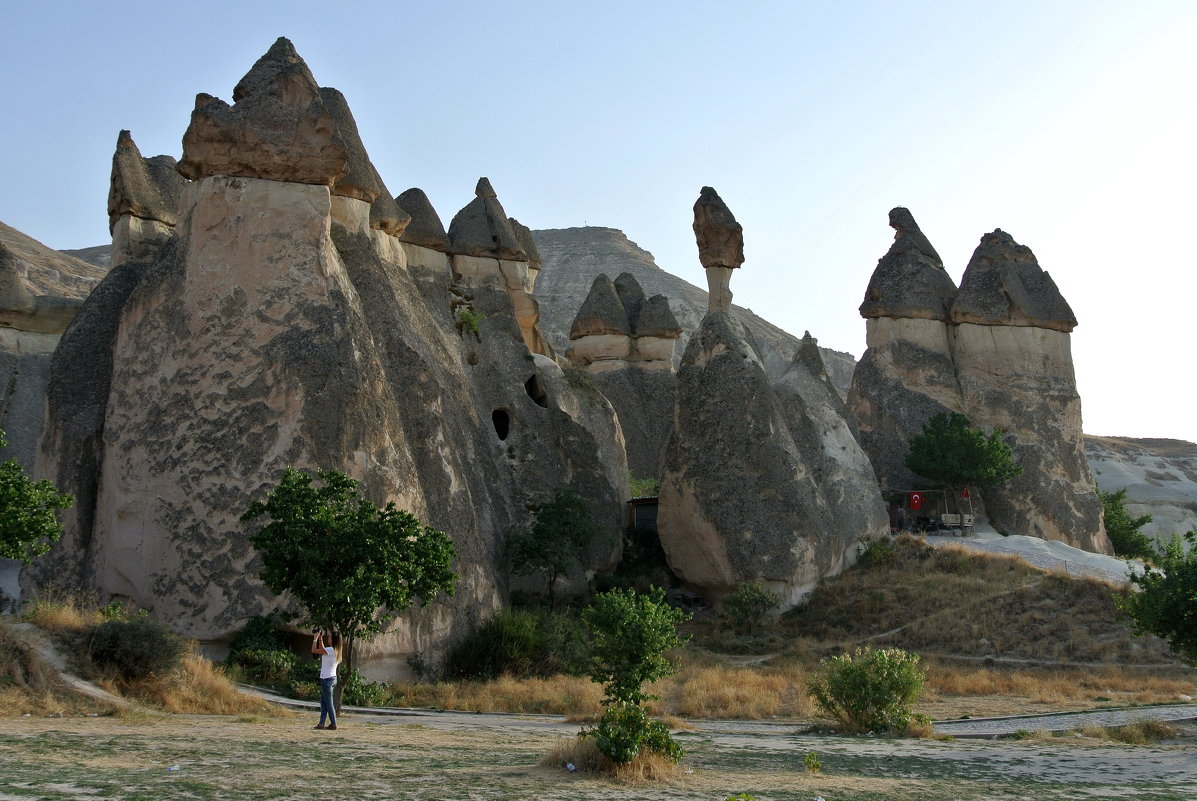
point(482, 229)
point(1004, 285)
point(720, 238)
point(909, 280)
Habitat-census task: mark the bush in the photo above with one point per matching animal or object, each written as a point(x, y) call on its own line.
point(872, 690)
point(360, 691)
point(877, 553)
point(1122, 529)
point(261, 666)
point(260, 633)
point(136, 648)
point(625, 730)
point(1166, 603)
point(746, 606)
point(510, 642)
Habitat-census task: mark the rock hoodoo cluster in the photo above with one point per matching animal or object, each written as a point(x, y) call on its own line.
point(626, 342)
point(764, 479)
point(996, 350)
point(280, 322)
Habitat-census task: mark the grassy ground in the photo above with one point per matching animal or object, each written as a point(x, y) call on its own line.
point(254, 758)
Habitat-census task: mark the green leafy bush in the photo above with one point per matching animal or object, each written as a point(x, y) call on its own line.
point(871, 690)
point(625, 730)
point(746, 606)
point(136, 648)
point(260, 633)
point(1166, 603)
point(360, 691)
point(1122, 529)
point(522, 643)
point(273, 667)
point(875, 553)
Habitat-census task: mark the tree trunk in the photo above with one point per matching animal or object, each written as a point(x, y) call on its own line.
point(339, 689)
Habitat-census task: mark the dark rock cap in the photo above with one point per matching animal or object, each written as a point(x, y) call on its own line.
point(481, 228)
point(631, 296)
point(720, 238)
point(278, 129)
point(909, 280)
point(602, 312)
point(1004, 285)
point(425, 228)
point(656, 319)
point(524, 235)
point(145, 188)
point(807, 354)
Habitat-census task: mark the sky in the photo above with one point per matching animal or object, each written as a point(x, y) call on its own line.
point(1070, 125)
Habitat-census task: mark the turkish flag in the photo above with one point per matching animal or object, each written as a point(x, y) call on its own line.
point(916, 501)
point(964, 493)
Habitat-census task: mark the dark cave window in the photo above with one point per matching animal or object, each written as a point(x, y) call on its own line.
point(502, 422)
point(536, 391)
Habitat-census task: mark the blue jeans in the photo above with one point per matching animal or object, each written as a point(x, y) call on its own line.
point(326, 701)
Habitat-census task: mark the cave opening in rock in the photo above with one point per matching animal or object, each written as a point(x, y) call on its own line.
point(502, 422)
point(536, 391)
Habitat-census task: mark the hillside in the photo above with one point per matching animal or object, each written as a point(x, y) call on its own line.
point(1159, 476)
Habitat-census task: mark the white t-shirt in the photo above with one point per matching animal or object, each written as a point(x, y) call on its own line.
point(328, 663)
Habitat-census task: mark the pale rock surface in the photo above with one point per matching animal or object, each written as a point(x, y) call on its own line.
point(280, 328)
point(763, 480)
point(1159, 476)
point(148, 189)
point(574, 257)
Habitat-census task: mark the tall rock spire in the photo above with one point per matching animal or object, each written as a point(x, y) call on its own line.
point(720, 245)
point(910, 280)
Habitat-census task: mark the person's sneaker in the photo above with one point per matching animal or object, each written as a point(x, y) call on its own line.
point(330, 728)
point(322, 726)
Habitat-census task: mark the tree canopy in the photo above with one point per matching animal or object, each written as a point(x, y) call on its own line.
point(352, 565)
point(950, 451)
point(1122, 529)
point(1166, 603)
point(555, 544)
point(28, 512)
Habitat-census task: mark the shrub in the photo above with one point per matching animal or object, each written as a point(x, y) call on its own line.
point(261, 666)
point(360, 691)
point(876, 553)
point(260, 633)
point(510, 642)
point(136, 648)
point(1122, 529)
point(871, 690)
point(625, 730)
point(746, 606)
point(1166, 604)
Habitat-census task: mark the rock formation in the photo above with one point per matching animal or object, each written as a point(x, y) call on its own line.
point(996, 350)
point(485, 249)
point(764, 479)
point(626, 342)
point(574, 257)
point(143, 201)
point(1013, 358)
point(1159, 476)
point(720, 244)
point(281, 326)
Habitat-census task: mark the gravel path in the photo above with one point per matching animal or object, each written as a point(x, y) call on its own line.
point(1064, 721)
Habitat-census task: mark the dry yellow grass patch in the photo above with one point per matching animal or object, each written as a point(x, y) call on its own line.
point(555, 695)
point(1060, 685)
point(737, 692)
point(197, 688)
point(60, 613)
point(584, 755)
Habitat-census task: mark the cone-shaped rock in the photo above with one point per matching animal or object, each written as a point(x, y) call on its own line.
point(482, 229)
point(602, 312)
point(762, 482)
point(1004, 285)
point(523, 235)
point(656, 319)
point(145, 188)
point(910, 280)
point(720, 237)
point(278, 127)
point(425, 228)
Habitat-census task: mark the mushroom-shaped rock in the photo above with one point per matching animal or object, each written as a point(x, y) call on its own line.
point(602, 312)
point(279, 127)
point(1004, 285)
point(481, 228)
point(425, 228)
point(720, 245)
point(631, 295)
point(909, 280)
point(145, 188)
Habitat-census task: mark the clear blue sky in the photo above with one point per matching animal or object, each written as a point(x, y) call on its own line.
point(1071, 125)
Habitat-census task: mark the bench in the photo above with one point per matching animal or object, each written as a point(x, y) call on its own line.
point(960, 522)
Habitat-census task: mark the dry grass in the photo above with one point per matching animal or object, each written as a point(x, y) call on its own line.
point(28, 685)
point(737, 692)
point(1061, 685)
point(60, 613)
point(584, 755)
point(197, 688)
point(556, 695)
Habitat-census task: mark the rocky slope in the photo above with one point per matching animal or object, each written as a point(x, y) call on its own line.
point(1159, 476)
point(574, 257)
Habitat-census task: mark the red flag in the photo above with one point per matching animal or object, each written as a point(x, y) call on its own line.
point(916, 501)
point(964, 493)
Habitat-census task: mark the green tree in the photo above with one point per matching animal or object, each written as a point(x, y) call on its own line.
point(1166, 601)
point(1122, 529)
point(950, 451)
point(352, 565)
point(630, 635)
point(556, 543)
point(28, 512)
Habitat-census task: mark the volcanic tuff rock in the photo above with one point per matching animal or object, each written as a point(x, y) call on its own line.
point(1006, 364)
point(574, 257)
point(910, 280)
point(278, 127)
point(720, 245)
point(763, 479)
point(482, 228)
point(425, 228)
point(1004, 285)
point(143, 201)
point(280, 328)
point(626, 341)
point(1159, 476)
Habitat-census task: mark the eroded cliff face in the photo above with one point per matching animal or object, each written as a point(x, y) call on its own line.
point(997, 350)
point(1159, 476)
point(281, 325)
